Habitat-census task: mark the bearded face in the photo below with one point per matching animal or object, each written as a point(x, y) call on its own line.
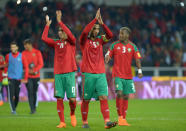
point(62, 35)
point(95, 30)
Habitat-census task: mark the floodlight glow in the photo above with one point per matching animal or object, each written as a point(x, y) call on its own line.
point(18, 2)
point(29, 1)
point(182, 4)
point(45, 8)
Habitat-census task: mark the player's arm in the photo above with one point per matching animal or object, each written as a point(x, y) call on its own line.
point(137, 57)
point(108, 32)
point(71, 37)
point(88, 28)
point(138, 64)
point(6, 63)
point(44, 37)
point(39, 62)
point(109, 54)
point(3, 65)
point(25, 66)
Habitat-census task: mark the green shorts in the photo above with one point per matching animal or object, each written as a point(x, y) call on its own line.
point(94, 85)
point(125, 85)
point(65, 83)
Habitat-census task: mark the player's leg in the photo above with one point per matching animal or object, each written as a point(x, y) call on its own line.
point(119, 98)
point(17, 90)
point(35, 89)
point(102, 92)
point(1, 98)
point(60, 110)
point(88, 87)
point(128, 88)
point(59, 93)
point(84, 112)
point(11, 92)
point(70, 85)
point(119, 105)
point(72, 104)
point(30, 90)
point(125, 105)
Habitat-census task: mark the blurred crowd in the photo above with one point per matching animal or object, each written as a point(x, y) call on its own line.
point(158, 30)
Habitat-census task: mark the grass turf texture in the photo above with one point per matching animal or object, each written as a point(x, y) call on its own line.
point(143, 115)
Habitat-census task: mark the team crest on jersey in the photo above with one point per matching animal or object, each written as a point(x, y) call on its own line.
point(117, 86)
point(129, 50)
point(33, 54)
point(97, 43)
point(118, 48)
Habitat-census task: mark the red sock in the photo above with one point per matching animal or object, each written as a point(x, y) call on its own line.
point(84, 110)
point(105, 110)
point(72, 105)
point(119, 103)
point(125, 107)
point(60, 109)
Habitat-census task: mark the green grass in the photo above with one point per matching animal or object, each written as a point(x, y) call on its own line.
point(143, 115)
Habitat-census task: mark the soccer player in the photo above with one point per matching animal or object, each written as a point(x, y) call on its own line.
point(16, 63)
point(93, 69)
point(123, 51)
point(35, 63)
point(2, 62)
point(64, 67)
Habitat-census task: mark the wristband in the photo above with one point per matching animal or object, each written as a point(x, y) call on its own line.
point(5, 74)
point(139, 71)
point(107, 53)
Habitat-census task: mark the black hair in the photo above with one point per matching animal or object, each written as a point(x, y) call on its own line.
point(127, 29)
point(14, 43)
point(27, 41)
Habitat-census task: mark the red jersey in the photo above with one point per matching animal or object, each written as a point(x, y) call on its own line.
point(123, 55)
point(2, 62)
point(64, 58)
point(92, 51)
point(24, 61)
point(35, 61)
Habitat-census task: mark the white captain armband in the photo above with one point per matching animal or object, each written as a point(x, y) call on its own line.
point(107, 53)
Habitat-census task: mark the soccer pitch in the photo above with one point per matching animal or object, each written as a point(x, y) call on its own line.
point(143, 115)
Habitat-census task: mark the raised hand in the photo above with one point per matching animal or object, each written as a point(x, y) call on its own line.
point(140, 75)
point(48, 21)
point(58, 15)
point(100, 21)
point(97, 14)
point(24, 81)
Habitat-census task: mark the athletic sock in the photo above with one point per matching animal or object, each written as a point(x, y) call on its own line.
point(105, 110)
point(119, 103)
point(84, 110)
point(60, 110)
point(125, 107)
point(72, 105)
